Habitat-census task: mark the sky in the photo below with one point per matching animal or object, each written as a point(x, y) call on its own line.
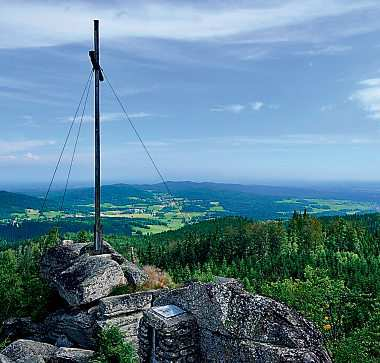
point(273, 91)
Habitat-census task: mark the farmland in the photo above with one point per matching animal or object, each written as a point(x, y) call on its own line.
point(146, 209)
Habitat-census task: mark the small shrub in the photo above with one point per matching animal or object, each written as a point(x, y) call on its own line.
point(4, 343)
point(113, 348)
point(82, 237)
point(158, 278)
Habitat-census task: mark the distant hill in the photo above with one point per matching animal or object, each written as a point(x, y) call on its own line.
point(270, 202)
point(254, 201)
point(117, 194)
point(344, 191)
point(16, 202)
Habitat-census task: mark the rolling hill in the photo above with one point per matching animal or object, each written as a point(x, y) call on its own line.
point(16, 203)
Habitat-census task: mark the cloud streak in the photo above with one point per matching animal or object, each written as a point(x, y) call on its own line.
point(368, 97)
point(238, 107)
point(327, 50)
point(9, 147)
point(111, 116)
point(34, 23)
point(286, 140)
point(257, 106)
point(233, 108)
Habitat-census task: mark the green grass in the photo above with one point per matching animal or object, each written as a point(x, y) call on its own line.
point(217, 208)
point(52, 214)
point(153, 229)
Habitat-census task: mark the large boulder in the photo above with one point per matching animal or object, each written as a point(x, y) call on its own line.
point(22, 328)
point(72, 327)
point(4, 359)
point(236, 326)
point(124, 304)
point(88, 279)
point(134, 275)
point(72, 355)
point(107, 249)
point(219, 348)
point(124, 312)
point(29, 351)
point(59, 258)
point(81, 276)
point(22, 350)
point(34, 359)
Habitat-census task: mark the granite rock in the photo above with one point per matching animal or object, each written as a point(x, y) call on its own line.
point(124, 312)
point(134, 275)
point(59, 258)
point(112, 306)
point(73, 327)
point(22, 328)
point(89, 279)
point(4, 359)
point(219, 348)
point(107, 250)
point(72, 355)
point(236, 326)
point(23, 349)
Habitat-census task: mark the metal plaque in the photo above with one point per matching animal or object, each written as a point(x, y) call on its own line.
point(168, 311)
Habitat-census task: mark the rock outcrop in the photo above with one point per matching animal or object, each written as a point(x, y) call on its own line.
point(84, 281)
point(72, 327)
point(201, 322)
point(22, 351)
point(125, 312)
point(4, 359)
point(89, 279)
point(79, 326)
point(72, 355)
point(80, 276)
point(59, 258)
point(16, 328)
point(134, 275)
point(235, 326)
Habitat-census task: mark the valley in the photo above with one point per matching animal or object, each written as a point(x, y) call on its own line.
point(148, 209)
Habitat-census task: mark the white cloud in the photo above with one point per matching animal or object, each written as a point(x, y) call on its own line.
point(140, 115)
point(286, 140)
point(150, 144)
point(110, 116)
point(254, 55)
point(370, 82)
point(327, 50)
point(257, 106)
point(326, 108)
point(9, 147)
point(237, 107)
point(34, 23)
point(369, 97)
point(234, 108)
point(31, 156)
point(7, 157)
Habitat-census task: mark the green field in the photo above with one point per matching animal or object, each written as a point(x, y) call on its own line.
point(154, 212)
point(321, 206)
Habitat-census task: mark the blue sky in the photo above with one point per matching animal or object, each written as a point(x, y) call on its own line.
point(232, 91)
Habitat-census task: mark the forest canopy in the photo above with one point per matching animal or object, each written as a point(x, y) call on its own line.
point(326, 268)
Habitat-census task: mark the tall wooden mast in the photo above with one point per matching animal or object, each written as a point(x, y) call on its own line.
point(94, 55)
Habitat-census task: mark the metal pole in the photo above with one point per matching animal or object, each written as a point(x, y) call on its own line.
point(98, 227)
